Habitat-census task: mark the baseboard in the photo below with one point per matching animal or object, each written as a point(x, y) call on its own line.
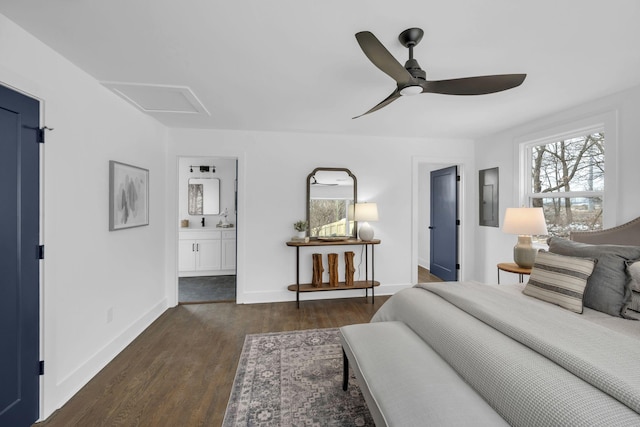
point(67, 387)
point(207, 273)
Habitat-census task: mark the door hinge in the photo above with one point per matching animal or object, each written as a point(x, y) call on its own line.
point(457, 266)
point(41, 132)
point(458, 178)
point(40, 251)
point(41, 368)
point(457, 222)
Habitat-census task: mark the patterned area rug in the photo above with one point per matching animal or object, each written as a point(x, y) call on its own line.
point(294, 379)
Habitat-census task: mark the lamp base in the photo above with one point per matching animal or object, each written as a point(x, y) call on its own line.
point(524, 254)
point(366, 232)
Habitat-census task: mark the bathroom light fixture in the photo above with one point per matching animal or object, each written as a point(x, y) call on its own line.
point(524, 222)
point(365, 212)
point(203, 168)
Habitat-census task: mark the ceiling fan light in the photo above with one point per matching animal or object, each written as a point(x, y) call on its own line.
point(411, 90)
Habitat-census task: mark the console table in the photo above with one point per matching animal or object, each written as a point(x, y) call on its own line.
point(357, 284)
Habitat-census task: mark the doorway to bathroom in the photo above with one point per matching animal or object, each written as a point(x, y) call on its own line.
point(207, 209)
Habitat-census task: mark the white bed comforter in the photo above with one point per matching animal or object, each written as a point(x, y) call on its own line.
point(535, 364)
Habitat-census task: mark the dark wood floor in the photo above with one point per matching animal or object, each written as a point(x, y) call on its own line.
point(180, 370)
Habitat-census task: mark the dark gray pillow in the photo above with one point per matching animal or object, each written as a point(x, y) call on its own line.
point(608, 287)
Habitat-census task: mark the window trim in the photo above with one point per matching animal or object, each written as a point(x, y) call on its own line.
point(606, 122)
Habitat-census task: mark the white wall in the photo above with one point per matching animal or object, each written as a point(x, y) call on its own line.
point(272, 171)
point(620, 112)
point(88, 271)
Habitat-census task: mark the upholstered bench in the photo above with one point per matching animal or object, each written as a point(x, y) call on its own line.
point(406, 383)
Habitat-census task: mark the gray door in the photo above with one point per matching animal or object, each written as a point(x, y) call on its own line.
point(19, 265)
point(444, 224)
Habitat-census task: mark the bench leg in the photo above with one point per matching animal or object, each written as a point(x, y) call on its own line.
point(345, 371)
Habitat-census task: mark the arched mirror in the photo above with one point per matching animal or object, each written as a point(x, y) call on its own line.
point(331, 195)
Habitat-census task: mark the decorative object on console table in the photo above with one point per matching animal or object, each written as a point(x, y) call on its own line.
point(349, 268)
point(333, 270)
point(318, 269)
point(524, 222)
point(366, 212)
point(301, 229)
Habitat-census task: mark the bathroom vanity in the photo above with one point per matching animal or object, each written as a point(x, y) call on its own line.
point(206, 252)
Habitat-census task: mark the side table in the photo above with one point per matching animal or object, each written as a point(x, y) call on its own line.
point(512, 267)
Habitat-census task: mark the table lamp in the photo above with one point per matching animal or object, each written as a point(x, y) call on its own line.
point(365, 212)
point(524, 222)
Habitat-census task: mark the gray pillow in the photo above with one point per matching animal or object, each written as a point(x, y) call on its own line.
point(608, 287)
point(632, 308)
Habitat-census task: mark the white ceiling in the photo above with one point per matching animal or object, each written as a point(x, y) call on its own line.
point(294, 65)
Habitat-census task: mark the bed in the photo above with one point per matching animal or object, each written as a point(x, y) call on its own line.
point(553, 351)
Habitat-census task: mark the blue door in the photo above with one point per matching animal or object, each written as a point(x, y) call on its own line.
point(444, 224)
point(19, 260)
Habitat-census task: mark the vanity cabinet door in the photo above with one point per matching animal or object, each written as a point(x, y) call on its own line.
point(208, 256)
point(186, 255)
point(229, 254)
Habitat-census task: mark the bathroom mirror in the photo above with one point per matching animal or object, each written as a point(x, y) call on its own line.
point(331, 195)
point(204, 196)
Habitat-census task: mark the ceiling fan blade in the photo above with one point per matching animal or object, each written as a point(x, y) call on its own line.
point(381, 58)
point(388, 100)
point(481, 85)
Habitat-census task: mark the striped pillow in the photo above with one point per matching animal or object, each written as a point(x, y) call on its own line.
point(559, 279)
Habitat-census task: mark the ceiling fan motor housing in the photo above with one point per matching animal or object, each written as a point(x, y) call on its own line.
point(414, 69)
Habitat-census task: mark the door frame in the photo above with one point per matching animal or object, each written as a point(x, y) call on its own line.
point(172, 284)
point(441, 162)
point(41, 270)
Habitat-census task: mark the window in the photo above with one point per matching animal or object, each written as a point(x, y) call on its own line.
point(566, 177)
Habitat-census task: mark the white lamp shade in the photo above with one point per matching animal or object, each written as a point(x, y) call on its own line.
point(366, 212)
point(524, 221)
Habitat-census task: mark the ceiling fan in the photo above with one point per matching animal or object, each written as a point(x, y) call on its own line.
point(412, 79)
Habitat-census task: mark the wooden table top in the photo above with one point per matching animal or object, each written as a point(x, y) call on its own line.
point(334, 242)
point(512, 267)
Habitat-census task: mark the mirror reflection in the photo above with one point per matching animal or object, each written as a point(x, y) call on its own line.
point(204, 196)
point(331, 194)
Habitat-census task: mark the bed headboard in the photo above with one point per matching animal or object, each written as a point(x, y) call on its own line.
point(625, 234)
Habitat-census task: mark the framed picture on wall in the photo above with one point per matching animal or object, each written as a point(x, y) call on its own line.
point(488, 203)
point(128, 196)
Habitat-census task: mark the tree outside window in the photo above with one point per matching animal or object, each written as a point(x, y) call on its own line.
point(329, 218)
point(567, 181)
